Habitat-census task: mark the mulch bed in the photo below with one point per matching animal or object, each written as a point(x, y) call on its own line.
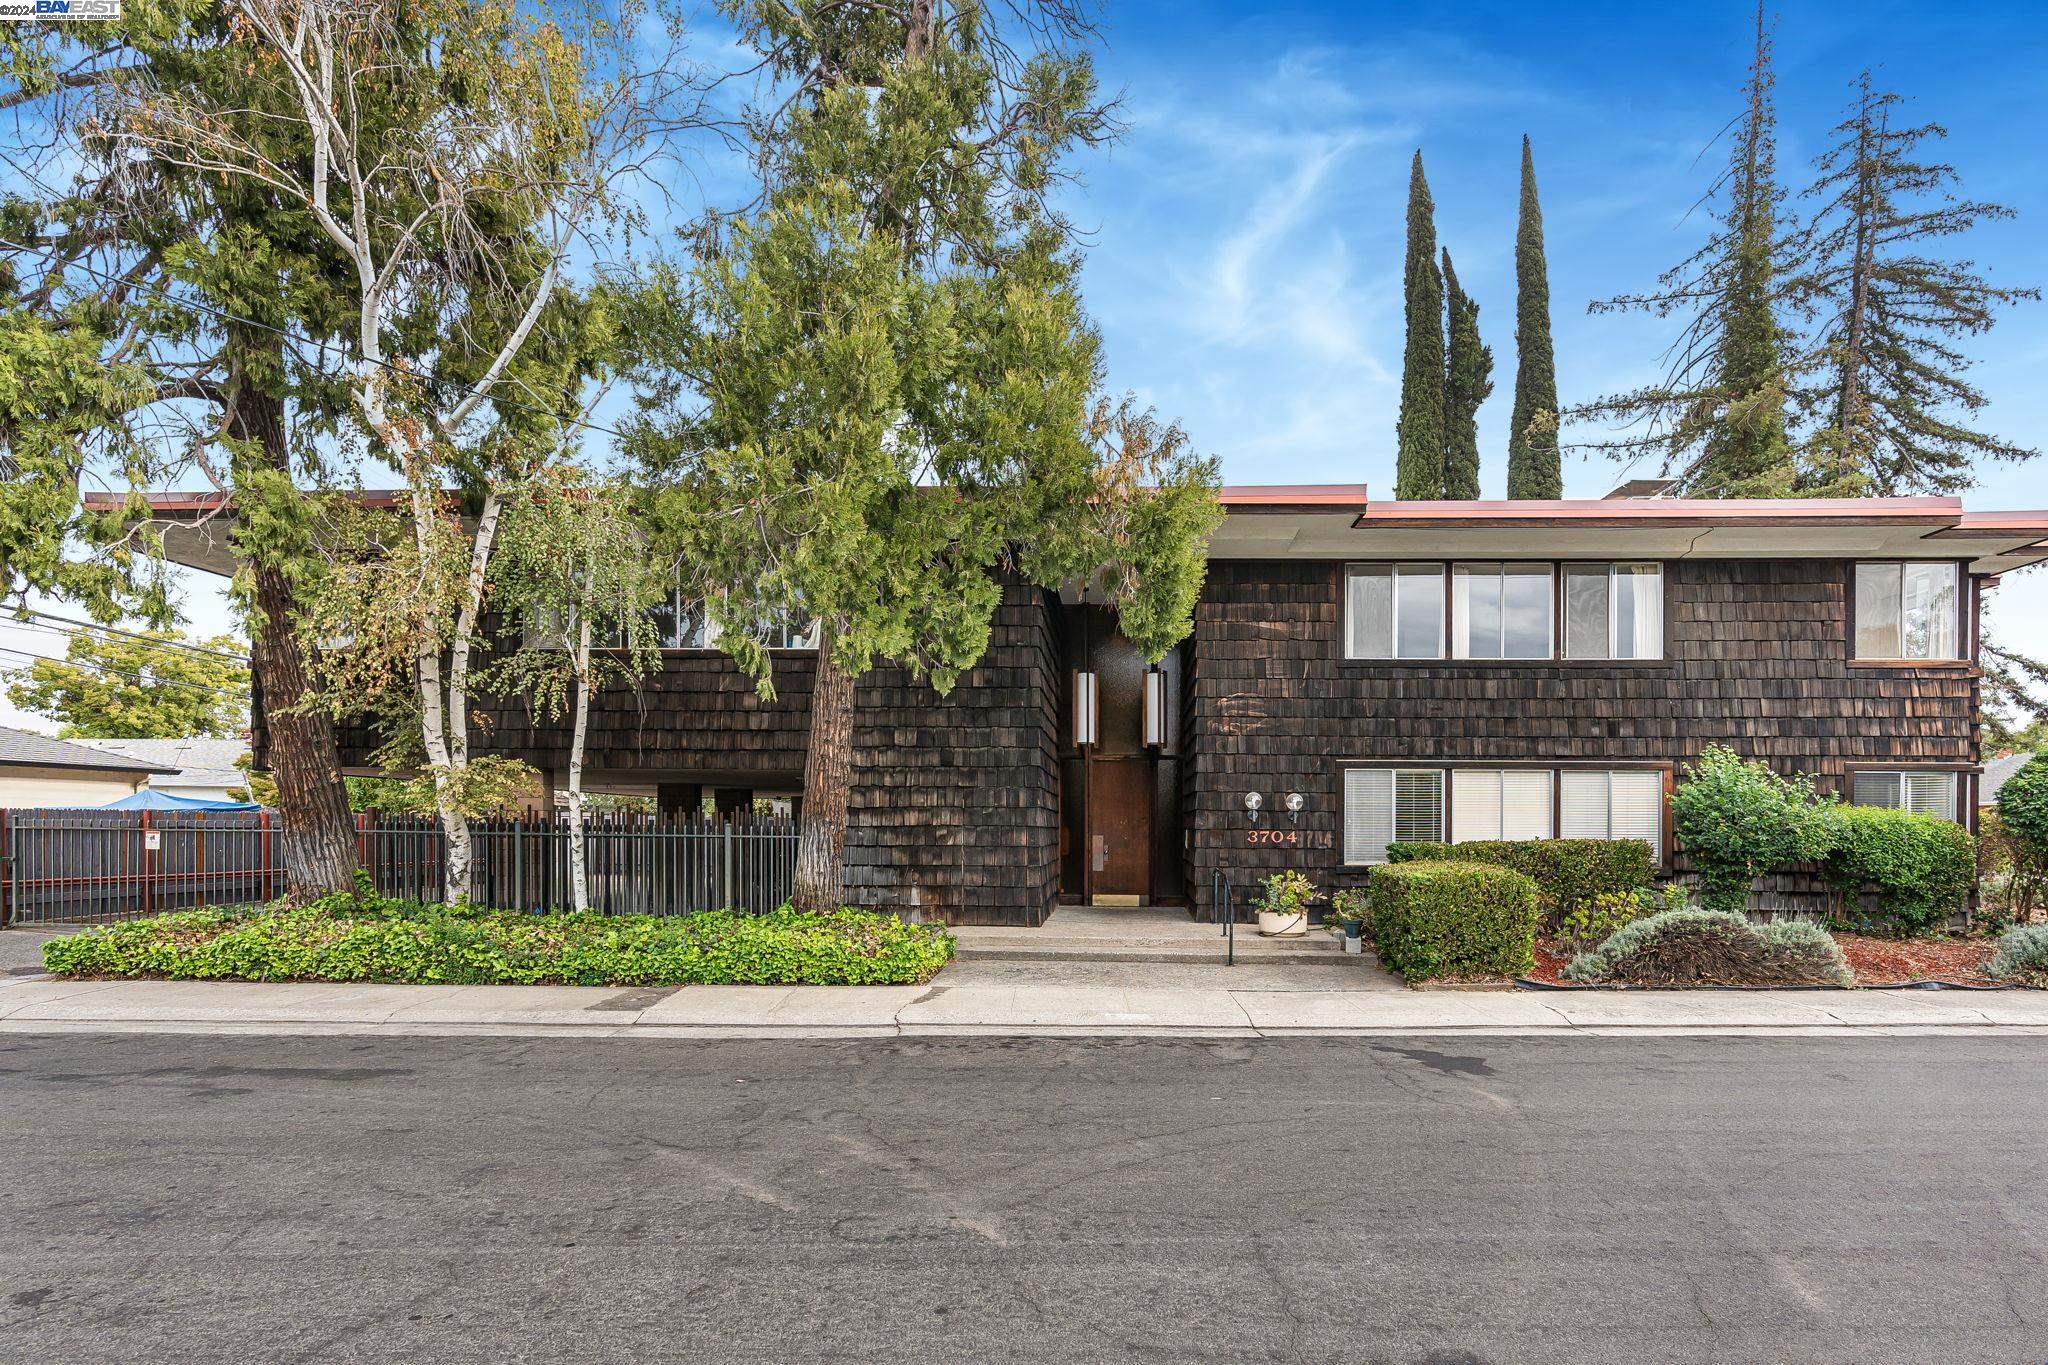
point(1900, 962)
point(1876, 961)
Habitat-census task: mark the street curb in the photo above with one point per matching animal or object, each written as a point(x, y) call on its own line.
point(860, 1032)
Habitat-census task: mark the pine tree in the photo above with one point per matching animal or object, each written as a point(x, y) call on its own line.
point(1419, 435)
point(1533, 467)
point(1885, 365)
point(1468, 379)
point(1718, 416)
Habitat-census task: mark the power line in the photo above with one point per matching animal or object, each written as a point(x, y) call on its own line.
point(55, 622)
point(132, 677)
point(320, 346)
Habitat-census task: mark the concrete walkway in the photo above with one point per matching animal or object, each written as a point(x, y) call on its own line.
point(999, 998)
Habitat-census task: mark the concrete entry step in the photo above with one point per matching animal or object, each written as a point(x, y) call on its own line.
point(1075, 933)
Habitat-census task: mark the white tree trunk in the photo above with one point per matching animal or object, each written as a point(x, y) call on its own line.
point(434, 721)
point(579, 875)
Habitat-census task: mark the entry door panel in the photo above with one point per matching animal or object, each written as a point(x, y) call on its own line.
point(1120, 826)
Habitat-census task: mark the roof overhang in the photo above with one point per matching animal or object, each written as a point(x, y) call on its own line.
point(76, 766)
point(1338, 521)
point(1317, 523)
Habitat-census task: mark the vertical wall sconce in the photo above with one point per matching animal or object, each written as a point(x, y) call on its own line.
point(1087, 711)
point(1155, 708)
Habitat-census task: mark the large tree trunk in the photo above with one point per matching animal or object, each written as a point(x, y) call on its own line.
point(317, 837)
point(318, 834)
point(828, 780)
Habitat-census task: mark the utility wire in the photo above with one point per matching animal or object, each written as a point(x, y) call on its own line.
point(56, 622)
point(126, 675)
point(492, 395)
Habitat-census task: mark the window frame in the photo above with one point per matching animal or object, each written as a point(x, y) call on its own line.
point(1552, 614)
point(1340, 646)
point(1963, 778)
point(1965, 655)
point(1443, 803)
point(1564, 622)
point(1441, 571)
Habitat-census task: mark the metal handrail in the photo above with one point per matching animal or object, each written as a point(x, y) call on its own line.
point(1223, 897)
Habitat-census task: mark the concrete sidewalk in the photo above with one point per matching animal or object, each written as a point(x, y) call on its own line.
point(975, 1000)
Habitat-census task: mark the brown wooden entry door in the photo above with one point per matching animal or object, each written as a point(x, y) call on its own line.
point(1120, 827)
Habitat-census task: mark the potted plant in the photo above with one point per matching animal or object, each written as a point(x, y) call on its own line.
point(1283, 905)
point(1347, 910)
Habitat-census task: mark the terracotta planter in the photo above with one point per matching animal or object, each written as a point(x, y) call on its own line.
point(1291, 925)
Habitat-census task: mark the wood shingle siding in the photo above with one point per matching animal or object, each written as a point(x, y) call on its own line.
point(1756, 657)
point(955, 808)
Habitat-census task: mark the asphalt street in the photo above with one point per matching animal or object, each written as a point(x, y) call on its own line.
point(1493, 1199)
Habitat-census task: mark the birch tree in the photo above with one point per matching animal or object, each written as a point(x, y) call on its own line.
point(455, 155)
point(575, 574)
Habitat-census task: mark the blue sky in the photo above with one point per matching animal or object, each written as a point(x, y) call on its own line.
point(1248, 231)
point(1246, 234)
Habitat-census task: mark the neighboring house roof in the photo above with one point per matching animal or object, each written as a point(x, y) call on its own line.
point(196, 762)
point(1996, 771)
point(26, 749)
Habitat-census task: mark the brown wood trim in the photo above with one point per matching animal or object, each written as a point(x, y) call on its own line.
point(1520, 664)
point(1919, 665)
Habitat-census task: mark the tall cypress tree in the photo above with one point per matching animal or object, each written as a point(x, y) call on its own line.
point(1468, 379)
point(1885, 373)
point(1718, 416)
point(1419, 436)
point(1533, 467)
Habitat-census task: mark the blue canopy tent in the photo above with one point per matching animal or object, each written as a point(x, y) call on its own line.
point(156, 800)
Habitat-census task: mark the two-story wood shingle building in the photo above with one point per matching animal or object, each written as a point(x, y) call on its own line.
point(1359, 672)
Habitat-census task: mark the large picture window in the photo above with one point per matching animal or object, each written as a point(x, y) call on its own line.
point(1621, 803)
point(1511, 803)
point(1907, 610)
point(1922, 793)
point(1500, 611)
point(1614, 611)
point(1394, 611)
point(1383, 805)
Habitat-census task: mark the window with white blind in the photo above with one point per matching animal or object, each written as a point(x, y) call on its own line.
point(1500, 611)
point(1907, 610)
point(1394, 611)
point(1510, 803)
point(1385, 805)
point(1921, 793)
point(1614, 611)
point(1621, 803)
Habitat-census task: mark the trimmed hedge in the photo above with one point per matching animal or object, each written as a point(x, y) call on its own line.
point(2022, 956)
point(1714, 948)
point(1433, 919)
point(1568, 872)
point(340, 938)
point(1922, 867)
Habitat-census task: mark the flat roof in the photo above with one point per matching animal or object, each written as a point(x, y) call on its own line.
point(1340, 521)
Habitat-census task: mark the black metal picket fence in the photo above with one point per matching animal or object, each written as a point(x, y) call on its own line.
point(88, 865)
